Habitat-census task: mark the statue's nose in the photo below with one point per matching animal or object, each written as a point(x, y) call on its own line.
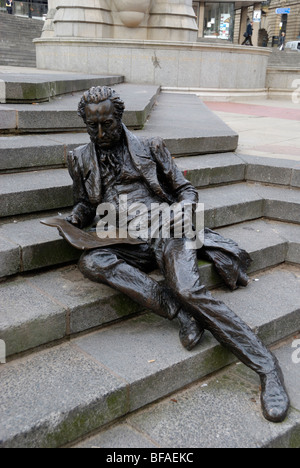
point(100, 131)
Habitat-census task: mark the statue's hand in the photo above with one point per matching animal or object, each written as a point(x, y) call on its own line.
point(73, 219)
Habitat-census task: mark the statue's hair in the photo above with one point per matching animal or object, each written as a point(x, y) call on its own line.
point(99, 94)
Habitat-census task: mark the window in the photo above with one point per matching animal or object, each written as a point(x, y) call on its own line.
point(219, 21)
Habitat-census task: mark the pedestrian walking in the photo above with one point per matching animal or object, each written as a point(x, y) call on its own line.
point(9, 7)
point(248, 34)
point(282, 41)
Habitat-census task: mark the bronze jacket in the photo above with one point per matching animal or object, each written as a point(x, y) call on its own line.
point(152, 160)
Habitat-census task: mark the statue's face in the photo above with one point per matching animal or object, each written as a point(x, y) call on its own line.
point(103, 127)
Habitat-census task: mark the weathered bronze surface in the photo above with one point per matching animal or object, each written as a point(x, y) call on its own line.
point(116, 163)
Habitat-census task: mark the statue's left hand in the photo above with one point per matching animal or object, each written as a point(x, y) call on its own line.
point(73, 219)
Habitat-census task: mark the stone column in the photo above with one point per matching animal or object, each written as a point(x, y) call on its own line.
point(172, 20)
point(81, 18)
point(161, 20)
point(48, 29)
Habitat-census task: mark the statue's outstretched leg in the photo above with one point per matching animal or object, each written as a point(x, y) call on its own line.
point(182, 277)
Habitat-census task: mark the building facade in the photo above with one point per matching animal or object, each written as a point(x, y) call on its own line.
point(219, 21)
point(227, 20)
point(275, 20)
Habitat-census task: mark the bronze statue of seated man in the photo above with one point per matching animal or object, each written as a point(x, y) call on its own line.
point(116, 164)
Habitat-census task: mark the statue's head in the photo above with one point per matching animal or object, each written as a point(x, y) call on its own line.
point(101, 109)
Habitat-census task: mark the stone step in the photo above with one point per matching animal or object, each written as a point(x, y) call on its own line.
point(60, 114)
point(58, 395)
point(29, 61)
point(25, 244)
point(35, 191)
point(39, 308)
point(226, 168)
point(34, 152)
point(16, 44)
point(29, 192)
point(40, 86)
point(199, 132)
point(221, 411)
point(52, 189)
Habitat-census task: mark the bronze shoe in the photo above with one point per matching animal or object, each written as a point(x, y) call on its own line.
point(190, 331)
point(274, 398)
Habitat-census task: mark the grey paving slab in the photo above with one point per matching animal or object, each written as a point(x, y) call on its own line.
point(280, 203)
point(147, 353)
point(189, 126)
point(220, 412)
point(37, 151)
point(39, 245)
point(291, 232)
point(119, 436)
point(28, 318)
point(262, 303)
point(55, 396)
point(273, 171)
point(230, 204)
point(41, 86)
point(295, 182)
point(212, 169)
point(260, 238)
point(8, 119)
point(18, 152)
point(9, 258)
point(89, 304)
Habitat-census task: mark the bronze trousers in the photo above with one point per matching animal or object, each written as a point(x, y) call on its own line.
point(125, 268)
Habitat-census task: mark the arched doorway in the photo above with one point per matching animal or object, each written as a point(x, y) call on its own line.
point(263, 38)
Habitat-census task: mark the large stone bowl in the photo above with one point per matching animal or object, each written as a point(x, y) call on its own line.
point(132, 12)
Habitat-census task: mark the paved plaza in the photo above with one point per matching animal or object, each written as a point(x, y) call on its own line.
point(266, 127)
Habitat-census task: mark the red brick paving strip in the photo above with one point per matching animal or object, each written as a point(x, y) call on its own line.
point(255, 110)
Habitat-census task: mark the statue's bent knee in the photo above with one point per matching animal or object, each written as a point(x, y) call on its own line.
point(93, 262)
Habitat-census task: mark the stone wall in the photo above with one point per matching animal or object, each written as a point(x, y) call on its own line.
point(168, 64)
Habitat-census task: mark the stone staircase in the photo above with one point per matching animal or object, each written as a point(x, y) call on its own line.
point(287, 58)
point(83, 359)
point(16, 36)
point(283, 74)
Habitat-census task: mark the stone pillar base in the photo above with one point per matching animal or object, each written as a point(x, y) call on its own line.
point(168, 64)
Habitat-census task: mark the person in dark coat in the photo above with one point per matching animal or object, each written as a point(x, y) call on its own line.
point(248, 34)
point(9, 7)
point(116, 163)
point(282, 41)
